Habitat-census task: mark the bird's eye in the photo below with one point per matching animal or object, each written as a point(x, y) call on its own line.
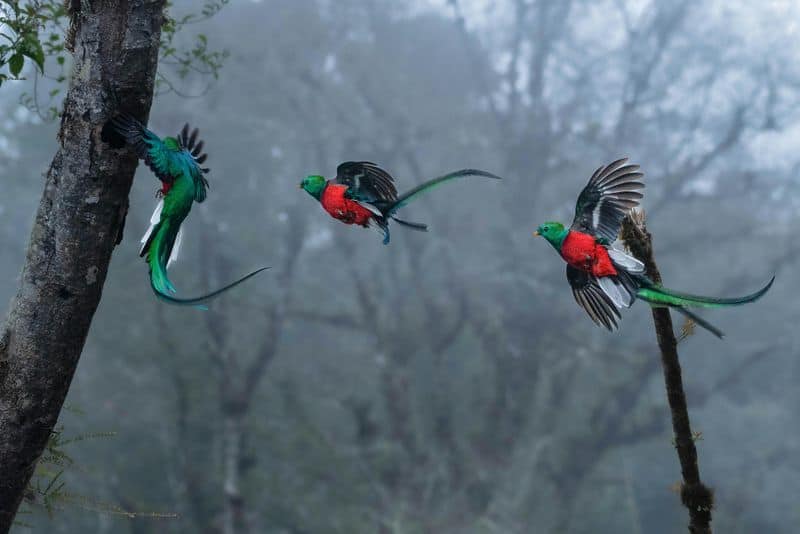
point(546, 229)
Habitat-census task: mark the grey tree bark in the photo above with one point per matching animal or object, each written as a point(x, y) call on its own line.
point(79, 222)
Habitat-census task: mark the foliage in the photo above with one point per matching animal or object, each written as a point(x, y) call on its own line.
point(47, 489)
point(197, 58)
point(40, 31)
point(21, 24)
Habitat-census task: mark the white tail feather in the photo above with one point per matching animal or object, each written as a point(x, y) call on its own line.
point(155, 218)
point(175, 248)
point(630, 263)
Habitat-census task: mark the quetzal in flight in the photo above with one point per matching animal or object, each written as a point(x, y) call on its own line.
point(605, 279)
point(176, 161)
point(364, 194)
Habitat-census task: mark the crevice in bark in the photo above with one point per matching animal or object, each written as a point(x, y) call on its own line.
point(696, 496)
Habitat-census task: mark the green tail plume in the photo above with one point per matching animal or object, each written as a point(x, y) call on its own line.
point(158, 249)
point(657, 295)
point(158, 289)
point(430, 184)
point(680, 302)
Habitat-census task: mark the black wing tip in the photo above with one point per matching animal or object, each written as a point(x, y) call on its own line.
point(188, 138)
point(198, 149)
point(592, 299)
point(610, 167)
point(619, 162)
point(120, 128)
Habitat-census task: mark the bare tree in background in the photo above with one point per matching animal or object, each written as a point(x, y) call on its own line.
point(448, 383)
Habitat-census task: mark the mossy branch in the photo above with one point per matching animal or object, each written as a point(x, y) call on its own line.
point(696, 496)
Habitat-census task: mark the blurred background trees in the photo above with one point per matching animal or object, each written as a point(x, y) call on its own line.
point(448, 382)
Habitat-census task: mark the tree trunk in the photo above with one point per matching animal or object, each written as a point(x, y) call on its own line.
point(233, 515)
point(78, 224)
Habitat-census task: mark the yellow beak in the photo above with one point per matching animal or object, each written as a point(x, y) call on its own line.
point(536, 233)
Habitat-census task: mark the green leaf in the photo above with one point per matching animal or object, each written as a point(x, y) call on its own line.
point(32, 48)
point(15, 64)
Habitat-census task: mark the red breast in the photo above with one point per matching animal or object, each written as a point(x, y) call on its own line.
point(582, 252)
point(342, 208)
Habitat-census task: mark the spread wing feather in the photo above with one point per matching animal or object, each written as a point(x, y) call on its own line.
point(592, 298)
point(148, 146)
point(366, 181)
point(163, 161)
point(193, 149)
point(612, 191)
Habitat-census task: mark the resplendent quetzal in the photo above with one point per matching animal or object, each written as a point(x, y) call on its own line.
point(363, 193)
point(605, 279)
point(176, 161)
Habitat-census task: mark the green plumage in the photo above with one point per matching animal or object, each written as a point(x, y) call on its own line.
point(605, 280)
point(425, 187)
point(176, 161)
point(374, 190)
point(177, 204)
point(657, 295)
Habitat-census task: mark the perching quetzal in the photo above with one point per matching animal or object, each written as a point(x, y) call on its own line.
point(176, 161)
point(605, 279)
point(362, 193)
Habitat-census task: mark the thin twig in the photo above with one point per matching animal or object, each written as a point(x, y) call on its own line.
point(696, 496)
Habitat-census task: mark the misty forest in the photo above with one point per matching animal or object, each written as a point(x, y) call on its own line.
point(449, 382)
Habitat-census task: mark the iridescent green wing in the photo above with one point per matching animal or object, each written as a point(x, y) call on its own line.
point(366, 182)
point(157, 154)
point(611, 193)
point(192, 151)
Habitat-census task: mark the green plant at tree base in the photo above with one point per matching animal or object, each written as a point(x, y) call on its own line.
point(47, 489)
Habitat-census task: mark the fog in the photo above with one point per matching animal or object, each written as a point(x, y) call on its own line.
point(447, 382)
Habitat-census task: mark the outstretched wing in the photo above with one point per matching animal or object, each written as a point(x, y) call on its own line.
point(148, 146)
point(590, 297)
point(366, 181)
point(611, 192)
point(193, 149)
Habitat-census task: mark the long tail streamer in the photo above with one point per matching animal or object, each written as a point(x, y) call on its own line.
point(656, 295)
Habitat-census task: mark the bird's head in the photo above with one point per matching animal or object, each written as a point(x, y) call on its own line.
point(313, 185)
point(554, 232)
